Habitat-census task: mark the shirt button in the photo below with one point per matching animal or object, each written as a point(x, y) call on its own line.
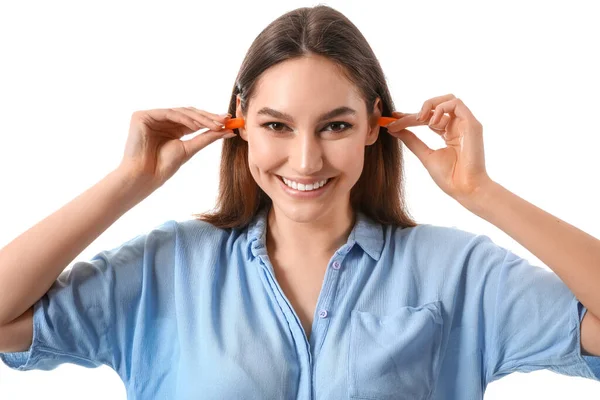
point(323, 313)
point(336, 265)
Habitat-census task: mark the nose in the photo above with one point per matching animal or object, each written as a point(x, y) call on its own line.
point(306, 155)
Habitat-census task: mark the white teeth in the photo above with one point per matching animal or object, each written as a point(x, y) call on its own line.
point(305, 187)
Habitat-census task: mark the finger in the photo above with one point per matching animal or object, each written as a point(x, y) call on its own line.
point(440, 126)
point(202, 120)
point(404, 122)
point(454, 107)
point(398, 114)
point(213, 116)
point(416, 145)
point(170, 115)
point(432, 103)
point(199, 142)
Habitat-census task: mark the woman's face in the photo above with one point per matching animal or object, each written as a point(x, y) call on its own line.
point(307, 123)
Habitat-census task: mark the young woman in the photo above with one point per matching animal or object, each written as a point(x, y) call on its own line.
point(309, 279)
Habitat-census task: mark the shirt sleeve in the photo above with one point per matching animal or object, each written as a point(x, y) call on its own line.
point(90, 313)
point(534, 319)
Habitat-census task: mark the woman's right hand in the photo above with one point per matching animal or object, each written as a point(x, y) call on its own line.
point(154, 151)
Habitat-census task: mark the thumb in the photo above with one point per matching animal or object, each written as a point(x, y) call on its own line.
point(416, 145)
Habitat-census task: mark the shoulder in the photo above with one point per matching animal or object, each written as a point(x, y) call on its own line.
point(165, 238)
point(429, 234)
point(201, 238)
point(174, 236)
point(151, 239)
point(173, 230)
point(196, 230)
point(167, 243)
point(448, 242)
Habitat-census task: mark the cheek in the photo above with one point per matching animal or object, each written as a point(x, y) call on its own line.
point(347, 157)
point(262, 152)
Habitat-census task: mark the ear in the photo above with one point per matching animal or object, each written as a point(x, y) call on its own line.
point(238, 114)
point(373, 132)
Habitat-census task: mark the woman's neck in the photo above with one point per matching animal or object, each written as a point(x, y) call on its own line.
point(317, 238)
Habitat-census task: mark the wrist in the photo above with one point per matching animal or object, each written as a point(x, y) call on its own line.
point(137, 185)
point(481, 196)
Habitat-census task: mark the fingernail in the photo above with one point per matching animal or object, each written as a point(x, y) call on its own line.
point(229, 135)
point(419, 116)
point(224, 115)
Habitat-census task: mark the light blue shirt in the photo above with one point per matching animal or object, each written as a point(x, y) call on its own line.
point(189, 311)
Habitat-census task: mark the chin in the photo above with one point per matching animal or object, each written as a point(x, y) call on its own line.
point(301, 213)
point(305, 210)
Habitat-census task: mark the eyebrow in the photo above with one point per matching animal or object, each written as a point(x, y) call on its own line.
point(328, 115)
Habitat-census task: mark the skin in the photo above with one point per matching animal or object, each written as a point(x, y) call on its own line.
point(306, 88)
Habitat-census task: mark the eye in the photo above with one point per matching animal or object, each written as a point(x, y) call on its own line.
point(273, 123)
point(269, 125)
point(348, 126)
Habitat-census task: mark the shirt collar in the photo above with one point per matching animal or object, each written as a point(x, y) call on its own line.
point(367, 233)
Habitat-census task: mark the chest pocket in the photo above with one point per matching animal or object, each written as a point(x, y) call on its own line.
point(395, 356)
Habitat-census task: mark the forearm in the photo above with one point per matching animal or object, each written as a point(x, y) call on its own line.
point(571, 253)
point(32, 262)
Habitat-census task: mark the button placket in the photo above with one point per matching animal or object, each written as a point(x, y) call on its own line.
point(332, 279)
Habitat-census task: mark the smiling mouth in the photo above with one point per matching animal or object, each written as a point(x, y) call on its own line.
point(301, 187)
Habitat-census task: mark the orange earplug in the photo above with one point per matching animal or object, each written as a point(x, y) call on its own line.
point(383, 121)
point(234, 123)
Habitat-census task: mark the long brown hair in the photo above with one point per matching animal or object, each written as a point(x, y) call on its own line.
point(319, 30)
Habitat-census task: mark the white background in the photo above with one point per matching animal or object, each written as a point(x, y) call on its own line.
point(71, 74)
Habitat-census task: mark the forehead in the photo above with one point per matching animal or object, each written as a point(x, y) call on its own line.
point(305, 86)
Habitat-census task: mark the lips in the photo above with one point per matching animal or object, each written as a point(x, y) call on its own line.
point(315, 184)
point(305, 194)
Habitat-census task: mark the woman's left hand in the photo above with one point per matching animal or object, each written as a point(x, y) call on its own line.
point(459, 168)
